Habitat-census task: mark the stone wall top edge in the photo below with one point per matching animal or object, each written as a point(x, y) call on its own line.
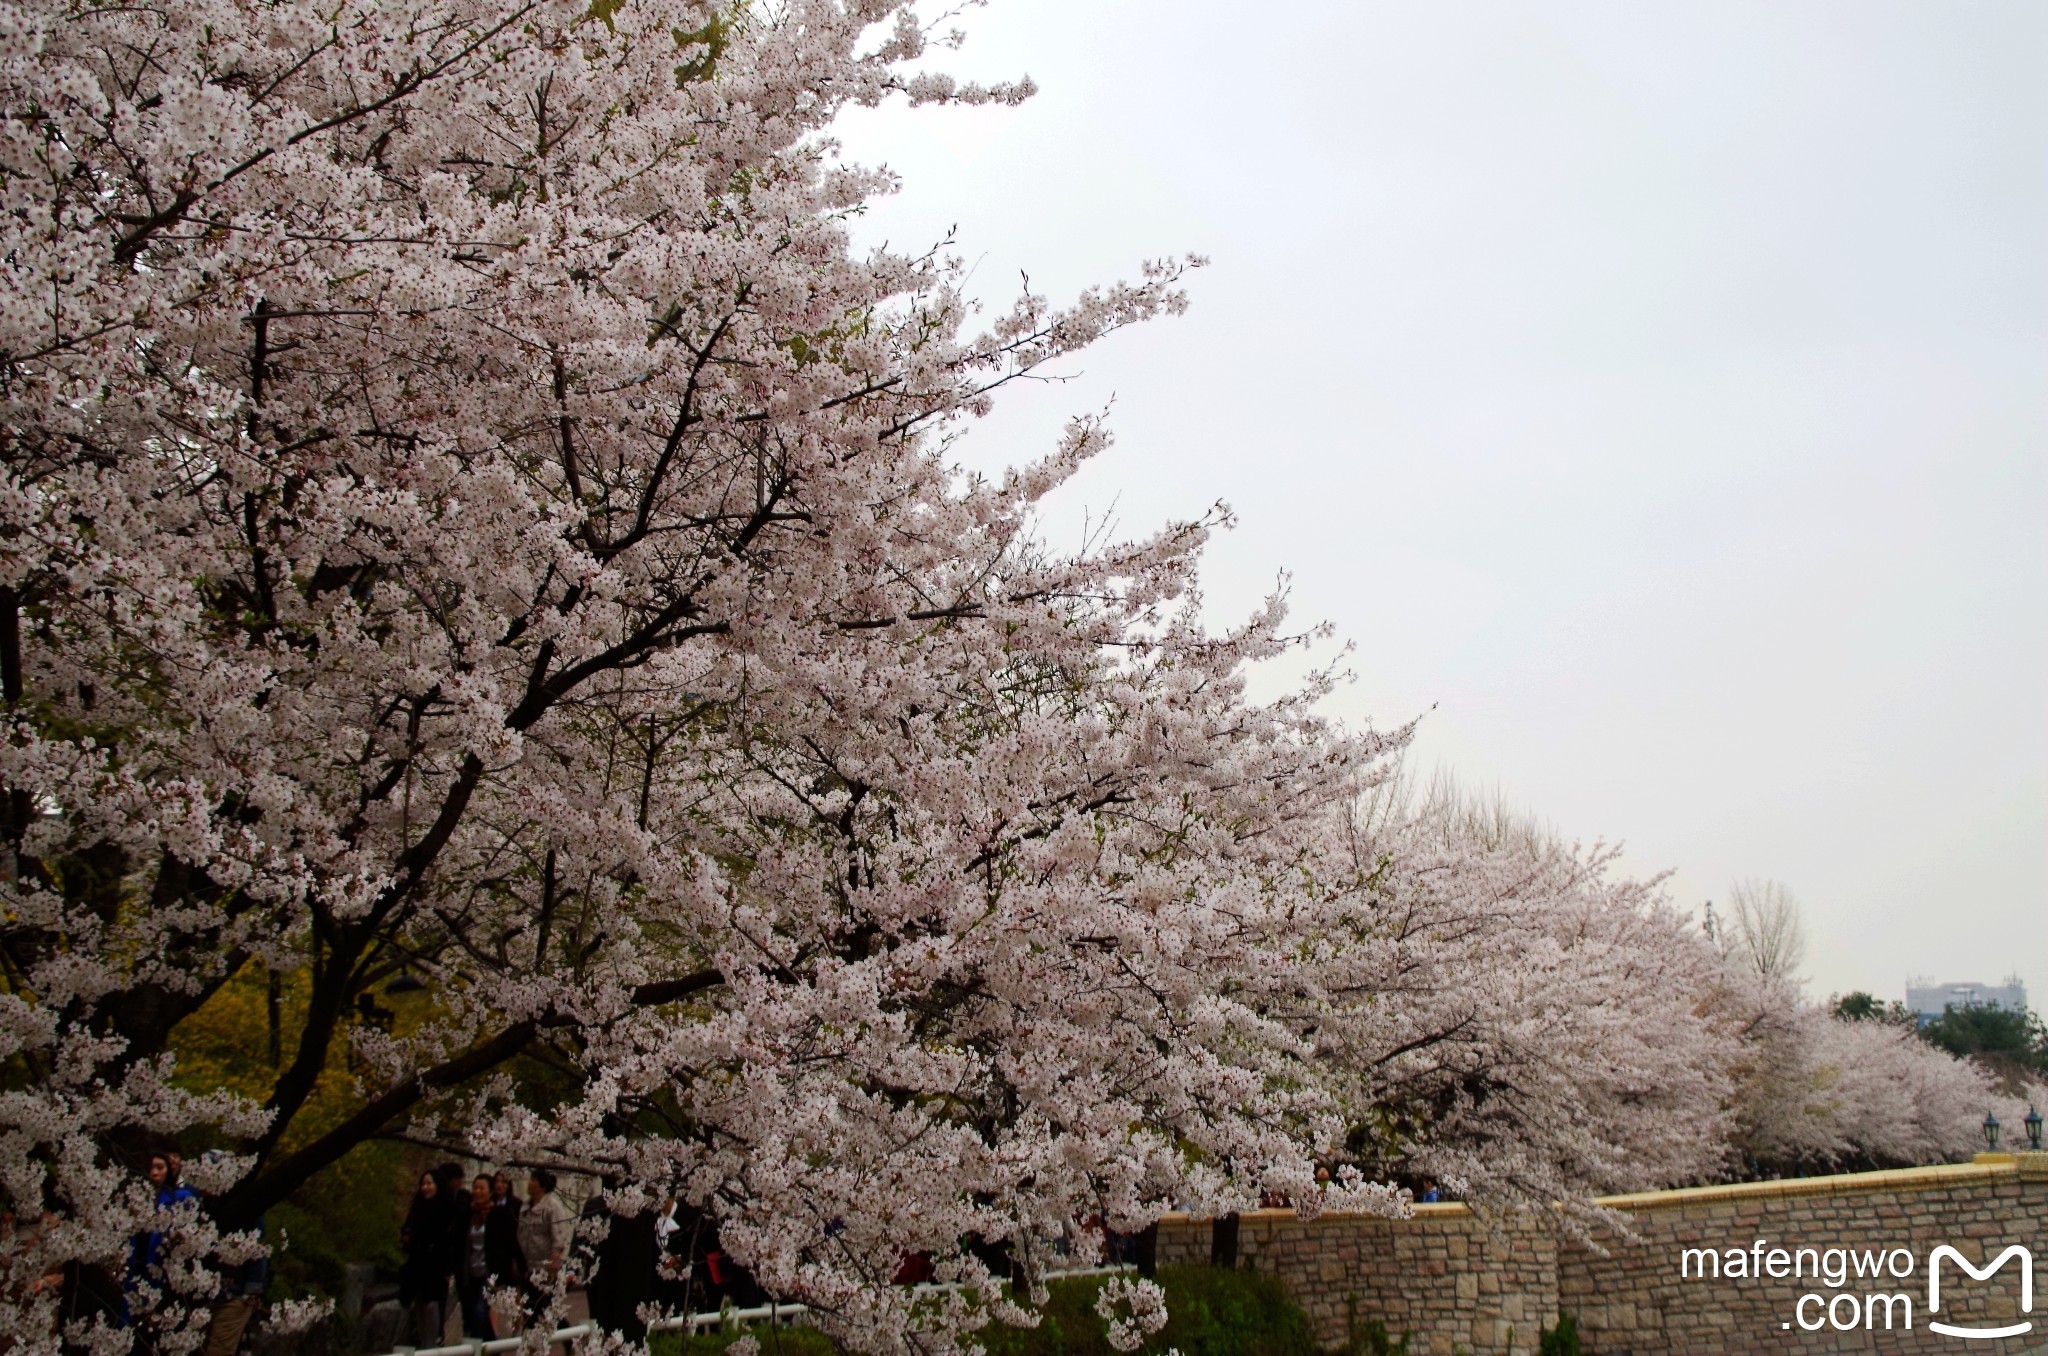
point(1432, 1210)
point(1839, 1184)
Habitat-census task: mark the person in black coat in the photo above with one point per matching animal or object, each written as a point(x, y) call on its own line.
point(502, 1253)
point(454, 1198)
point(423, 1279)
point(625, 1271)
point(473, 1276)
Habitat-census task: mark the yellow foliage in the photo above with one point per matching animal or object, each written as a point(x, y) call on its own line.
point(226, 1045)
point(349, 1212)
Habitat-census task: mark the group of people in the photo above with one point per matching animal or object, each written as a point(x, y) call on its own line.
point(465, 1239)
point(125, 1296)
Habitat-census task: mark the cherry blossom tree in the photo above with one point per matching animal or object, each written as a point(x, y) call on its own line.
point(469, 515)
point(1521, 1022)
point(1817, 1090)
point(1525, 1024)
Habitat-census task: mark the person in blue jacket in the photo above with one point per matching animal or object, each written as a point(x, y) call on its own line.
point(146, 1251)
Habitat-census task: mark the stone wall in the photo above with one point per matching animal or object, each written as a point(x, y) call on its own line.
point(1444, 1273)
point(1462, 1284)
point(1636, 1301)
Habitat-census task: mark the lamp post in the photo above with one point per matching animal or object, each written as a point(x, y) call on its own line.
point(1991, 1131)
point(2033, 1124)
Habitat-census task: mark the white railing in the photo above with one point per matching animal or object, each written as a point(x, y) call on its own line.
point(695, 1323)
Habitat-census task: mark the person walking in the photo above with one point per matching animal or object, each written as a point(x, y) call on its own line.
point(671, 1272)
point(454, 1197)
point(622, 1279)
point(473, 1281)
point(502, 1256)
point(545, 1226)
point(423, 1278)
point(146, 1251)
point(242, 1287)
point(241, 1293)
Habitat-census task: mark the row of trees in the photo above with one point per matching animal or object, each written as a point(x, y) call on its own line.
point(1566, 1031)
point(1845, 1083)
point(481, 578)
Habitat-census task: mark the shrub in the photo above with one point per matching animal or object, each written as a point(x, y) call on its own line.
point(1562, 1340)
point(1210, 1313)
point(1372, 1338)
point(779, 1342)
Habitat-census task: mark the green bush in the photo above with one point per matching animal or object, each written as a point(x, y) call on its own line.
point(1209, 1313)
point(1562, 1340)
point(1371, 1338)
point(779, 1342)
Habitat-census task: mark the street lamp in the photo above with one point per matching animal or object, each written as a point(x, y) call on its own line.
point(1991, 1131)
point(2033, 1124)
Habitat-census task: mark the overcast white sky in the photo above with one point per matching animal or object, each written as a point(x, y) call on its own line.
point(1658, 392)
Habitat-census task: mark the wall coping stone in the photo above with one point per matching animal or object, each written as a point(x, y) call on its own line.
point(1280, 1214)
point(1986, 1168)
point(1838, 1184)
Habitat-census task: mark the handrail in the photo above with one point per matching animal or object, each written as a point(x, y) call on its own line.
point(774, 1313)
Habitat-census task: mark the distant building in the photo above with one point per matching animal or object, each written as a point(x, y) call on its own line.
point(1929, 1000)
